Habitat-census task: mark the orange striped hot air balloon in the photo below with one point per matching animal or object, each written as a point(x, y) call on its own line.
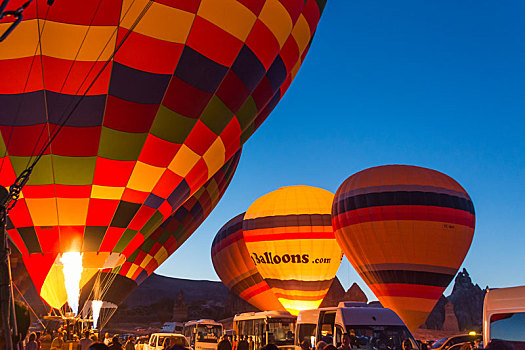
point(233, 264)
point(406, 230)
point(290, 239)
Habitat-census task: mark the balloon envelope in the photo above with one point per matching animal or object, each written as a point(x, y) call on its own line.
point(159, 95)
point(233, 264)
point(116, 285)
point(289, 236)
point(406, 230)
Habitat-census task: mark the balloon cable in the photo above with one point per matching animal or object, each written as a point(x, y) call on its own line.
point(28, 305)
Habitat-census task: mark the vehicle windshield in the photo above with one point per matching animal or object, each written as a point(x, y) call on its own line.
point(509, 327)
point(208, 333)
point(438, 343)
point(379, 337)
point(281, 331)
point(173, 341)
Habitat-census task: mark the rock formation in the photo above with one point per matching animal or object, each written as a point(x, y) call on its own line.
point(180, 308)
point(355, 293)
point(437, 317)
point(334, 295)
point(468, 302)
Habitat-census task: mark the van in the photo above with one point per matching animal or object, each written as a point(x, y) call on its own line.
point(371, 328)
point(504, 316)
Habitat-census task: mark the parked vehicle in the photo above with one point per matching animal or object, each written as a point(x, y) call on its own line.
point(448, 342)
point(157, 341)
point(265, 327)
point(202, 334)
point(368, 327)
point(504, 316)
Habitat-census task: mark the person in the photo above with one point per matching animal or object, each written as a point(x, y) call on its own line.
point(498, 344)
point(270, 346)
point(31, 344)
point(345, 345)
point(330, 347)
point(234, 343)
point(58, 341)
point(251, 344)
point(243, 344)
point(466, 346)
point(85, 342)
point(305, 345)
point(115, 343)
point(477, 344)
point(38, 335)
point(94, 338)
point(320, 345)
point(107, 339)
point(98, 346)
point(130, 343)
point(407, 345)
point(224, 343)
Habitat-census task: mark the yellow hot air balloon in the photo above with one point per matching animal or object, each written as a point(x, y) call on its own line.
point(289, 236)
point(406, 230)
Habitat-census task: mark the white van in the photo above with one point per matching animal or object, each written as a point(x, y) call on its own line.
point(157, 341)
point(370, 328)
point(504, 316)
point(202, 334)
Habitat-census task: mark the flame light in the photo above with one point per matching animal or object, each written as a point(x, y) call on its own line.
point(72, 273)
point(96, 305)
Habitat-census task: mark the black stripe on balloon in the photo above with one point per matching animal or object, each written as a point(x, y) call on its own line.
point(379, 199)
point(231, 227)
point(407, 277)
point(246, 283)
point(299, 285)
point(288, 221)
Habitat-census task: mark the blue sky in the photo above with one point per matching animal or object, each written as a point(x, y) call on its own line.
point(438, 84)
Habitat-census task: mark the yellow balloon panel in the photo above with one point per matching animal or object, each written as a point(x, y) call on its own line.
point(290, 239)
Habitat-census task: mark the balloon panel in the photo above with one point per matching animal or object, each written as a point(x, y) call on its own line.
point(406, 230)
point(233, 264)
point(154, 126)
point(116, 285)
point(289, 236)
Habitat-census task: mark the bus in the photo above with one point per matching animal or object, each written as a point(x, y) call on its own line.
point(276, 327)
point(504, 316)
point(202, 334)
point(369, 327)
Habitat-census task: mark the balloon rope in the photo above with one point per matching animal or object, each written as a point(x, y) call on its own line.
point(27, 303)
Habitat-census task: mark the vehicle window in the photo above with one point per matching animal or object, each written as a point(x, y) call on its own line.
point(379, 337)
point(153, 340)
point(281, 331)
point(509, 327)
point(208, 333)
point(306, 331)
point(438, 343)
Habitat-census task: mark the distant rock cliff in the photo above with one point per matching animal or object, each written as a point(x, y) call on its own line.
point(468, 302)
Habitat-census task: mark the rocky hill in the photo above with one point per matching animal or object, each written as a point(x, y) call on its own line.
point(160, 299)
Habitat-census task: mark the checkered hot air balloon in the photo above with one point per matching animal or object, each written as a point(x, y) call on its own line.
point(153, 96)
point(406, 230)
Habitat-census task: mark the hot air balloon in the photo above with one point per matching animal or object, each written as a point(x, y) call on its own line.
point(289, 236)
point(111, 287)
point(235, 267)
point(406, 230)
point(140, 103)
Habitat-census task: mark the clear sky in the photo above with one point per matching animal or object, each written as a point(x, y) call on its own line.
point(434, 83)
